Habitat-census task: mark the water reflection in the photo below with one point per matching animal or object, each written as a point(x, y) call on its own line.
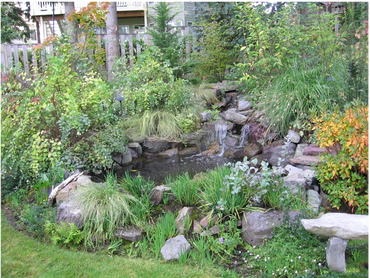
point(158, 169)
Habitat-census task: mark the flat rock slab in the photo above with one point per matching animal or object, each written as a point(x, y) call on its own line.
point(305, 160)
point(342, 225)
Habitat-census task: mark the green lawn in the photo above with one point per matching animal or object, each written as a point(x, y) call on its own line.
point(22, 256)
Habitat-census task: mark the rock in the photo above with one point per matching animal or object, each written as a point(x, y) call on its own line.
point(342, 225)
point(197, 227)
point(70, 212)
point(208, 219)
point(292, 170)
point(122, 158)
point(244, 105)
point(189, 151)
point(174, 247)
point(233, 116)
point(66, 192)
point(309, 175)
point(313, 200)
point(234, 153)
point(258, 225)
point(305, 160)
point(252, 149)
point(156, 145)
point(205, 117)
point(273, 154)
point(256, 132)
point(336, 254)
point(169, 153)
point(296, 184)
point(300, 149)
point(313, 150)
point(134, 154)
point(84, 180)
point(135, 147)
point(183, 216)
point(131, 234)
point(231, 141)
point(212, 231)
point(156, 195)
point(212, 150)
point(293, 136)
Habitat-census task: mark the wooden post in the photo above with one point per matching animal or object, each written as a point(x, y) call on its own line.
point(25, 60)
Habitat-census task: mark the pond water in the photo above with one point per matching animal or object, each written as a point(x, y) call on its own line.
point(158, 169)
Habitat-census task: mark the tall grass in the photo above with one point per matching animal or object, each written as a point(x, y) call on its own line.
point(103, 208)
point(184, 188)
point(302, 90)
point(138, 186)
point(161, 123)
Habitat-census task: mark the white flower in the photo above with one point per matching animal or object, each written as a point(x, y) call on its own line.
point(299, 257)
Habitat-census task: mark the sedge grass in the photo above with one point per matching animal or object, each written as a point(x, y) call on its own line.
point(103, 208)
point(22, 256)
point(302, 90)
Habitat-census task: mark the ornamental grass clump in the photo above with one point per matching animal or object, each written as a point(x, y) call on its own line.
point(103, 208)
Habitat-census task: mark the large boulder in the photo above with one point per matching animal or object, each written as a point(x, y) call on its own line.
point(155, 145)
point(169, 153)
point(122, 158)
point(258, 225)
point(342, 225)
point(174, 247)
point(66, 192)
point(70, 212)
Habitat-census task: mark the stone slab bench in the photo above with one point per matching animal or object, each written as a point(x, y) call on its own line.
point(340, 227)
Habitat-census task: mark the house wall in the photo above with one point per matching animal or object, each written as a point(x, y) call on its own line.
point(131, 22)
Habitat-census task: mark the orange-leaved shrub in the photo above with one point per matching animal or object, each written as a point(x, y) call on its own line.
point(343, 174)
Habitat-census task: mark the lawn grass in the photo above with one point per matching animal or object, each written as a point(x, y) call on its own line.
point(22, 256)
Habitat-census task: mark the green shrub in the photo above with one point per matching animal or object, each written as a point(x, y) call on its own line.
point(59, 110)
point(67, 235)
point(35, 216)
point(150, 85)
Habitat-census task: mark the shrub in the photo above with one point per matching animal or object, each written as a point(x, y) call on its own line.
point(344, 173)
point(64, 234)
point(59, 110)
point(150, 85)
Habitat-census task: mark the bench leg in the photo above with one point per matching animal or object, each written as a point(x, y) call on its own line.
point(336, 254)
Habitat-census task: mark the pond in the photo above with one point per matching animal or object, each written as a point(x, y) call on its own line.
point(159, 168)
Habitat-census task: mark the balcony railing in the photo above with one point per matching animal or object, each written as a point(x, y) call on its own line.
point(46, 8)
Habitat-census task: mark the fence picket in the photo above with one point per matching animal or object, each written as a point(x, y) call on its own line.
point(10, 53)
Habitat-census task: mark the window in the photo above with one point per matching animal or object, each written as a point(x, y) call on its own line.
point(139, 29)
point(124, 29)
point(189, 23)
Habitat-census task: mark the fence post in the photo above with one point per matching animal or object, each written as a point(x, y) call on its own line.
point(25, 60)
point(131, 50)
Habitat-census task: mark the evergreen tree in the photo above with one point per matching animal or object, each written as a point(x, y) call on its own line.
point(13, 25)
point(164, 37)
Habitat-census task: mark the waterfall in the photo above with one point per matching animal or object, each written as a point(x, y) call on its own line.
point(221, 133)
point(244, 135)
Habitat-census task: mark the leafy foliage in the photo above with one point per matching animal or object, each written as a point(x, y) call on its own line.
point(13, 25)
point(213, 57)
point(343, 174)
point(65, 234)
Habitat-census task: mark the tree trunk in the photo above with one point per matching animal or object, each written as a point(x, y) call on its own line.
point(71, 25)
point(112, 40)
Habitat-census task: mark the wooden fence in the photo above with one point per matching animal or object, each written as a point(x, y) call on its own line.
point(25, 56)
